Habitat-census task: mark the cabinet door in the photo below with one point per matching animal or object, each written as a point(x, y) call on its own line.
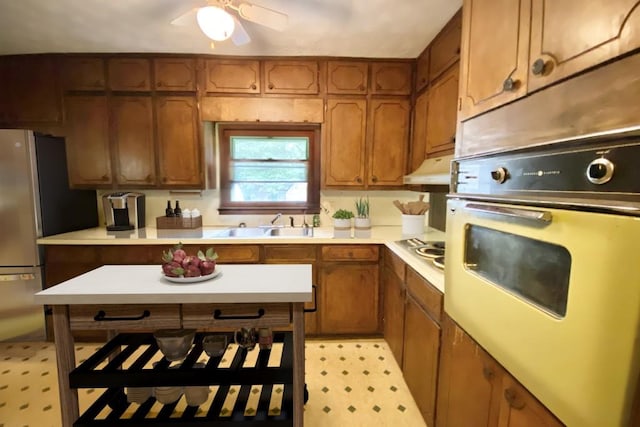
point(129, 74)
point(419, 139)
point(600, 32)
point(176, 74)
point(228, 76)
point(391, 78)
point(178, 136)
point(442, 113)
point(29, 90)
point(468, 383)
point(87, 140)
point(393, 317)
point(349, 302)
point(388, 141)
point(132, 140)
point(422, 70)
point(344, 141)
point(350, 78)
point(82, 73)
point(495, 47)
point(421, 356)
point(519, 408)
point(297, 77)
point(445, 49)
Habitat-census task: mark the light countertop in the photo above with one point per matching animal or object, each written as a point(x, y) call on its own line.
point(384, 235)
point(145, 284)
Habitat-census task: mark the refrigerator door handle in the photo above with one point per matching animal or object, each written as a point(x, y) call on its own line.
point(16, 277)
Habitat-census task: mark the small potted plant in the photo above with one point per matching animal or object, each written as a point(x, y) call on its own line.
point(342, 223)
point(362, 227)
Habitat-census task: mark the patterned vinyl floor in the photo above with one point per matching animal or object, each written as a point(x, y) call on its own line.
point(350, 383)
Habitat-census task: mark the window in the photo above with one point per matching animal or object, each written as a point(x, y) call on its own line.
point(269, 169)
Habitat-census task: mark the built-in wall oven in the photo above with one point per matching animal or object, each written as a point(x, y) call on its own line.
point(543, 270)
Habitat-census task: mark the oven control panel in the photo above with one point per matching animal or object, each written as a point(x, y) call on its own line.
point(595, 170)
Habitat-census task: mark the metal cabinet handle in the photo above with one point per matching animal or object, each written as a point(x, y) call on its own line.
point(543, 217)
point(510, 84)
point(487, 373)
point(271, 86)
point(374, 179)
point(538, 67)
point(101, 316)
point(217, 314)
point(315, 301)
point(358, 180)
point(253, 86)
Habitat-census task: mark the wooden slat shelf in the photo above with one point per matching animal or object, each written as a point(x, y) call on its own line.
point(104, 369)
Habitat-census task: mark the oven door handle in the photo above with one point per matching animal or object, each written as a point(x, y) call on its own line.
point(541, 217)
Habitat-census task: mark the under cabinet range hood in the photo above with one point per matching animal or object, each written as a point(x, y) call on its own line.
point(433, 171)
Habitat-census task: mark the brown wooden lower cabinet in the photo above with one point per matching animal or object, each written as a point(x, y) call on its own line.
point(393, 313)
point(421, 357)
point(475, 390)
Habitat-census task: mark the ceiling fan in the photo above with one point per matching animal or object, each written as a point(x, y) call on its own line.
point(220, 19)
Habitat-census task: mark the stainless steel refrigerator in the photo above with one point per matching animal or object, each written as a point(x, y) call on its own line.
point(35, 201)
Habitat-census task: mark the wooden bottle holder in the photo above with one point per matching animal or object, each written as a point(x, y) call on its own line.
point(164, 222)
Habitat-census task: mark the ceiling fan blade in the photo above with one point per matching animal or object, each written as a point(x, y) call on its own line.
point(240, 35)
point(263, 16)
point(187, 18)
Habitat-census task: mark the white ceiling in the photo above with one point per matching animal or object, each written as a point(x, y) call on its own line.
point(344, 28)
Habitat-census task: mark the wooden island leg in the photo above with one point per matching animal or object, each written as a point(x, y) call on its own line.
point(66, 361)
point(298, 364)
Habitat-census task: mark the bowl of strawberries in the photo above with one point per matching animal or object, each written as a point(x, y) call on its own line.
point(180, 267)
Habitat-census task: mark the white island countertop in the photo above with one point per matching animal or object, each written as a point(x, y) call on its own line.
point(145, 284)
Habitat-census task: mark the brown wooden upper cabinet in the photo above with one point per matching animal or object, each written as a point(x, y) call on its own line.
point(422, 69)
point(512, 48)
point(291, 77)
point(29, 90)
point(568, 37)
point(132, 140)
point(388, 141)
point(445, 48)
point(347, 77)
point(345, 139)
point(391, 78)
point(442, 113)
point(495, 44)
point(178, 139)
point(419, 138)
point(82, 73)
point(174, 74)
point(87, 141)
point(129, 74)
point(232, 76)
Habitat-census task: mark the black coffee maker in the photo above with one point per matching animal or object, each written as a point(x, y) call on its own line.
point(123, 211)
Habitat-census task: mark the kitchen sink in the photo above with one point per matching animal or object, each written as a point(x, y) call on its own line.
point(260, 232)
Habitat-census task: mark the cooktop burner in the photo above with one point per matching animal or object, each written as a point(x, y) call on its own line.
point(430, 251)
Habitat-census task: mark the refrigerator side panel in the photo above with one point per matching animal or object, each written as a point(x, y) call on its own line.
point(20, 318)
point(61, 208)
point(18, 227)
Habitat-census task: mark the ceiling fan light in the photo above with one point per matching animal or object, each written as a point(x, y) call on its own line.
point(215, 22)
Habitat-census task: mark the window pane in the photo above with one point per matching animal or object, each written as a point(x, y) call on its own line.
point(268, 172)
point(269, 192)
point(279, 148)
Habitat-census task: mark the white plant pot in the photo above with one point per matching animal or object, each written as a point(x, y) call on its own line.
point(362, 228)
point(341, 228)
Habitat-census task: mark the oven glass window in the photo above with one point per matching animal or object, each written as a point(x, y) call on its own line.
point(535, 271)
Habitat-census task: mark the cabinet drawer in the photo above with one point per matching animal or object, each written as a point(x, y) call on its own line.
point(128, 316)
point(235, 315)
point(230, 254)
point(290, 253)
point(394, 263)
point(350, 253)
point(425, 294)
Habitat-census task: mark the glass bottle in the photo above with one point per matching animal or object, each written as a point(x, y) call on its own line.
point(177, 211)
point(169, 211)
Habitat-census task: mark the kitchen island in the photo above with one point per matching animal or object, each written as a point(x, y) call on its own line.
point(137, 297)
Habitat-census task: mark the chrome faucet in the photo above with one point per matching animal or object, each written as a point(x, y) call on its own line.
point(278, 215)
